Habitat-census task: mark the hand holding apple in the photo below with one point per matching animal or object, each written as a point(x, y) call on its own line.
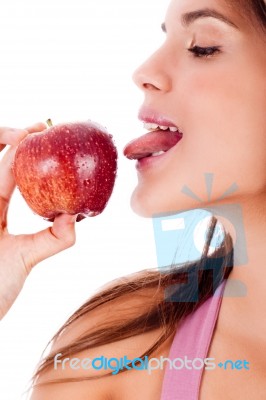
point(19, 253)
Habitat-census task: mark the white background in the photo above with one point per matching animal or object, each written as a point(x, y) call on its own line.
point(69, 61)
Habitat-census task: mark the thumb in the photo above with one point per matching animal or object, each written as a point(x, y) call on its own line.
point(39, 246)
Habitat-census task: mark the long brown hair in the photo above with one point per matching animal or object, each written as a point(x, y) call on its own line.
point(171, 302)
point(254, 11)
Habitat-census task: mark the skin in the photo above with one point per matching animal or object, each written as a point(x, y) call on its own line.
point(219, 104)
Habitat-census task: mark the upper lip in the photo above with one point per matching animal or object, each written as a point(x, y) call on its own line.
point(151, 116)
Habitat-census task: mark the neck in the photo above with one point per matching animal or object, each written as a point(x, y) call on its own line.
point(246, 287)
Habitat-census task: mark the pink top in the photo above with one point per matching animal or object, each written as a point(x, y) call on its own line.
point(192, 339)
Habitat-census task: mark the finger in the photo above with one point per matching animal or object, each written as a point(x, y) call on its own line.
point(3, 216)
point(46, 243)
point(38, 127)
point(7, 183)
point(12, 136)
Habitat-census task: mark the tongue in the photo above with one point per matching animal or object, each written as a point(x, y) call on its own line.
point(151, 142)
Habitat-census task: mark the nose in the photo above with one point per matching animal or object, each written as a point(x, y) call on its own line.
point(152, 75)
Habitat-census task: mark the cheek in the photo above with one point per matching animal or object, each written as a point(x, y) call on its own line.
point(224, 118)
point(226, 93)
point(222, 106)
point(207, 97)
point(204, 109)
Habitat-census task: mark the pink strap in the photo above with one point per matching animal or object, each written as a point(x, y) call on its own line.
point(192, 339)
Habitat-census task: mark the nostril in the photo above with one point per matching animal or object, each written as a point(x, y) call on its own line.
point(143, 80)
point(150, 86)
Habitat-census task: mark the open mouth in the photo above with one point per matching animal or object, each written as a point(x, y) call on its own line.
point(158, 140)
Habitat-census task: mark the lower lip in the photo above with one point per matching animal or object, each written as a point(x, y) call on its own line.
point(152, 161)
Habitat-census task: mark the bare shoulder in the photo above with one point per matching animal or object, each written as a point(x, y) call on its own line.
point(83, 365)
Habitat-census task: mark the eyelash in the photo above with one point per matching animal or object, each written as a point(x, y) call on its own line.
point(204, 51)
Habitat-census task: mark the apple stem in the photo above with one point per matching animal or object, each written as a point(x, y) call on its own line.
point(49, 123)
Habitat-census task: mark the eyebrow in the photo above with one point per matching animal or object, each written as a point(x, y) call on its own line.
point(189, 17)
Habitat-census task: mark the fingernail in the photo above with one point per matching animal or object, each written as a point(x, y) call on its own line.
point(73, 218)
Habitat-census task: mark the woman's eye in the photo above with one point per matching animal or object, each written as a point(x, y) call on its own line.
point(204, 51)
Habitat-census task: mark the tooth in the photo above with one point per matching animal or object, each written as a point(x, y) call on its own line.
point(172, 129)
point(154, 126)
point(147, 126)
point(164, 128)
point(158, 153)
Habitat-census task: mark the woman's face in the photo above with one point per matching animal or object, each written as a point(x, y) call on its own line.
point(217, 101)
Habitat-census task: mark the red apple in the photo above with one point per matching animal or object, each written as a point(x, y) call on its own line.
point(68, 168)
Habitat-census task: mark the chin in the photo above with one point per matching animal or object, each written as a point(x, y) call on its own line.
point(148, 204)
point(140, 204)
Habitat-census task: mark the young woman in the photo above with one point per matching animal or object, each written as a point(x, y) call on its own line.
point(205, 101)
